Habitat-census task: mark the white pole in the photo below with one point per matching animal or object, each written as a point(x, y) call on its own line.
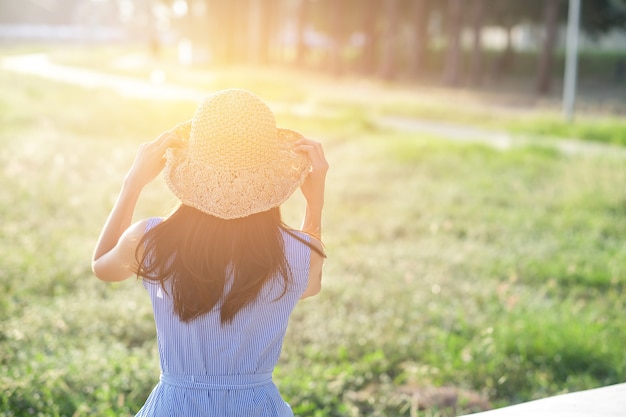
point(571, 59)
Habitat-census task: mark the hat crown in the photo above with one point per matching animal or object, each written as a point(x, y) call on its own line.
point(233, 161)
point(233, 129)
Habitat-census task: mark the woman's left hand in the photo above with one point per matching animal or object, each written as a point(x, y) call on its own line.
point(313, 186)
point(150, 159)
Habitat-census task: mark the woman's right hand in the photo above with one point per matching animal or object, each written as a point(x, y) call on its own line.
point(150, 159)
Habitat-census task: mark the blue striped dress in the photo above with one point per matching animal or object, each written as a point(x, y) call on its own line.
point(225, 371)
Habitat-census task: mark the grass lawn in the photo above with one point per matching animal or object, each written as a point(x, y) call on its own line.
point(495, 275)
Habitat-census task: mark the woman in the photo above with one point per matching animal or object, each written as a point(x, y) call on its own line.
point(222, 271)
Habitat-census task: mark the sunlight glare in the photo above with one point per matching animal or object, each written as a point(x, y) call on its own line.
point(127, 10)
point(157, 76)
point(179, 7)
point(185, 53)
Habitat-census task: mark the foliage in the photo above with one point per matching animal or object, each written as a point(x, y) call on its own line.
point(602, 16)
point(495, 273)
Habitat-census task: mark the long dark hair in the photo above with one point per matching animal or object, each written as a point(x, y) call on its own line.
point(198, 251)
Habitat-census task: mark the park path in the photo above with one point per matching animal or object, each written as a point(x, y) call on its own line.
point(496, 138)
point(40, 65)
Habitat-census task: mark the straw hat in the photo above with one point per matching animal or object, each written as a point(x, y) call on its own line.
point(234, 161)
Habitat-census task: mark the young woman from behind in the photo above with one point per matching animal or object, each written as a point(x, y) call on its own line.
point(223, 271)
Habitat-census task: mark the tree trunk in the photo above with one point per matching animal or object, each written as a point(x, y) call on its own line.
point(302, 19)
point(215, 23)
point(254, 31)
point(477, 56)
point(266, 32)
point(337, 31)
point(454, 23)
point(370, 30)
point(193, 34)
point(240, 29)
point(419, 18)
point(504, 61)
point(544, 71)
point(388, 60)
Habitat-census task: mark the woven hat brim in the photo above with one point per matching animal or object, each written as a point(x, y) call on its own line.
point(236, 193)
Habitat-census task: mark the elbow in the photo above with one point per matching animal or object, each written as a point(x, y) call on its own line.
point(94, 268)
point(314, 285)
point(313, 291)
point(109, 273)
point(313, 288)
point(97, 271)
point(97, 267)
point(316, 290)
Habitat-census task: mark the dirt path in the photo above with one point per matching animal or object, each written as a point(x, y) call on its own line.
point(40, 65)
point(498, 139)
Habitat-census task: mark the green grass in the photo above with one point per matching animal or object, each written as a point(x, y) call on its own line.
point(498, 273)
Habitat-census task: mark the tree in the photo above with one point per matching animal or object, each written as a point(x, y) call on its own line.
point(419, 14)
point(371, 39)
point(255, 15)
point(507, 14)
point(476, 58)
point(388, 59)
point(600, 16)
point(302, 20)
point(218, 20)
point(338, 38)
point(454, 24)
point(337, 20)
point(546, 58)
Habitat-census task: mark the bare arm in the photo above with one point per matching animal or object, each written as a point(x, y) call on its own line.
point(114, 255)
point(313, 191)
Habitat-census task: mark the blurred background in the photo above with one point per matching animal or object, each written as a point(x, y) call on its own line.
point(487, 44)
